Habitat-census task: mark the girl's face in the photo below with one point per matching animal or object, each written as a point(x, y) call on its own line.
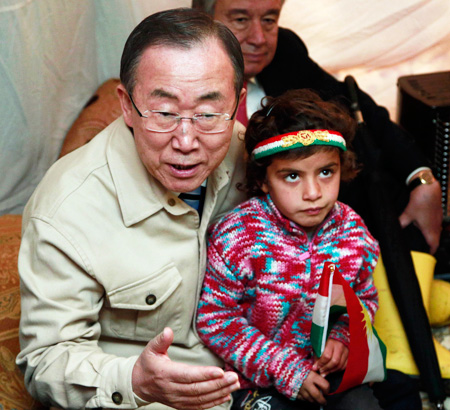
point(305, 189)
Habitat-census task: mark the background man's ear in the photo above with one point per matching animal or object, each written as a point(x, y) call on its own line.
point(242, 95)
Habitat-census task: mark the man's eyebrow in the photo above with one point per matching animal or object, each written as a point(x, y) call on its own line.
point(237, 11)
point(246, 12)
point(158, 92)
point(211, 96)
point(274, 11)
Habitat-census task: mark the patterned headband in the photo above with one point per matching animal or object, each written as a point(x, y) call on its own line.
point(298, 139)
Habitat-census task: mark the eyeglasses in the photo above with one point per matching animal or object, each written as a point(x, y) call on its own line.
point(163, 121)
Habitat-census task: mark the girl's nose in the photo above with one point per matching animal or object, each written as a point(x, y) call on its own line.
point(311, 191)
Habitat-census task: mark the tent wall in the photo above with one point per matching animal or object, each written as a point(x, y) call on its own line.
point(55, 53)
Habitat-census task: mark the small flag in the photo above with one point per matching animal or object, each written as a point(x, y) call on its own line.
point(366, 352)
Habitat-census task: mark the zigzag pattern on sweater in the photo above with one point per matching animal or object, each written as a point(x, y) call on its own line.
point(261, 283)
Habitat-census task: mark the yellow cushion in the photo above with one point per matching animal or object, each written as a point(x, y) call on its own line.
point(440, 303)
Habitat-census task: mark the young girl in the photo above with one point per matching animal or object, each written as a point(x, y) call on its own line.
point(265, 258)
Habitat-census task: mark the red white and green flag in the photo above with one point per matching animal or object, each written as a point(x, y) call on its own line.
point(366, 352)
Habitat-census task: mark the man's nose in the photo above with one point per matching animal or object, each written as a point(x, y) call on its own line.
point(185, 136)
point(256, 33)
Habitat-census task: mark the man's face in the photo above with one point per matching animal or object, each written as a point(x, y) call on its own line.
point(255, 25)
point(187, 82)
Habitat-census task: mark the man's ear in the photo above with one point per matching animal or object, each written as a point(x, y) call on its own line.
point(125, 103)
point(242, 95)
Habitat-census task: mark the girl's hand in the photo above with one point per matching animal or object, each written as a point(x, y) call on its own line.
point(334, 358)
point(314, 388)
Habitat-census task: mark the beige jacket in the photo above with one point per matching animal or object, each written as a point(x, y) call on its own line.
point(108, 259)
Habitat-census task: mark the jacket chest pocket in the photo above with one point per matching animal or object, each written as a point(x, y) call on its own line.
point(140, 310)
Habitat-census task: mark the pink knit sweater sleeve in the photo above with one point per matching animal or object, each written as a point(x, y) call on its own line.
point(222, 326)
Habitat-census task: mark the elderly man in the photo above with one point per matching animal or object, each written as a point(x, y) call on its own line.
point(111, 260)
point(277, 60)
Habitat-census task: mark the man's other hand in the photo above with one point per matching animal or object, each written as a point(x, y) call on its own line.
point(424, 210)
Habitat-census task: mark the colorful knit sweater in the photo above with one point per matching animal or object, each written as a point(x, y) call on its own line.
point(261, 284)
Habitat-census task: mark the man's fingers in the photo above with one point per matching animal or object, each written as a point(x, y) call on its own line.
point(184, 387)
point(202, 394)
point(432, 240)
point(197, 381)
point(209, 394)
point(404, 220)
point(161, 343)
point(185, 374)
point(203, 380)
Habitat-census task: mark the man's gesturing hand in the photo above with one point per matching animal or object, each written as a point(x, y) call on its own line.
point(156, 378)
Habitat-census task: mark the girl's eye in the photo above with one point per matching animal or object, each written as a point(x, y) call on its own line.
point(291, 177)
point(326, 172)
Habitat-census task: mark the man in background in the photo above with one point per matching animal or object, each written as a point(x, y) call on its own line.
point(277, 60)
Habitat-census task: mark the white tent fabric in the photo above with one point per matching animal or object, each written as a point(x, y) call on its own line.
point(375, 41)
point(55, 53)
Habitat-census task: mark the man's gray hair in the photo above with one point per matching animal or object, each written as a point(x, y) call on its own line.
point(208, 5)
point(181, 28)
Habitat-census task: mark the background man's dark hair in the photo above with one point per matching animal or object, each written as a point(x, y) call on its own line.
point(205, 5)
point(208, 5)
point(183, 28)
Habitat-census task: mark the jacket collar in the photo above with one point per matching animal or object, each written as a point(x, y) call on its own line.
point(139, 194)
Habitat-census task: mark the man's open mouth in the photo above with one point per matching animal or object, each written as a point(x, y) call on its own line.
point(183, 167)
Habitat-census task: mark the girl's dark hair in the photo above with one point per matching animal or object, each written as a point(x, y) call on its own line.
point(297, 110)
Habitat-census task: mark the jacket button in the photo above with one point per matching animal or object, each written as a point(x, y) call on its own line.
point(117, 398)
point(172, 201)
point(150, 299)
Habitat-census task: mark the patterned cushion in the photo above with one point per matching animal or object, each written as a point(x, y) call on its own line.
point(101, 110)
point(13, 394)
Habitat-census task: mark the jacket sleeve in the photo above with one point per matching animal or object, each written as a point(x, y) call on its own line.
point(292, 68)
point(222, 326)
point(59, 328)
